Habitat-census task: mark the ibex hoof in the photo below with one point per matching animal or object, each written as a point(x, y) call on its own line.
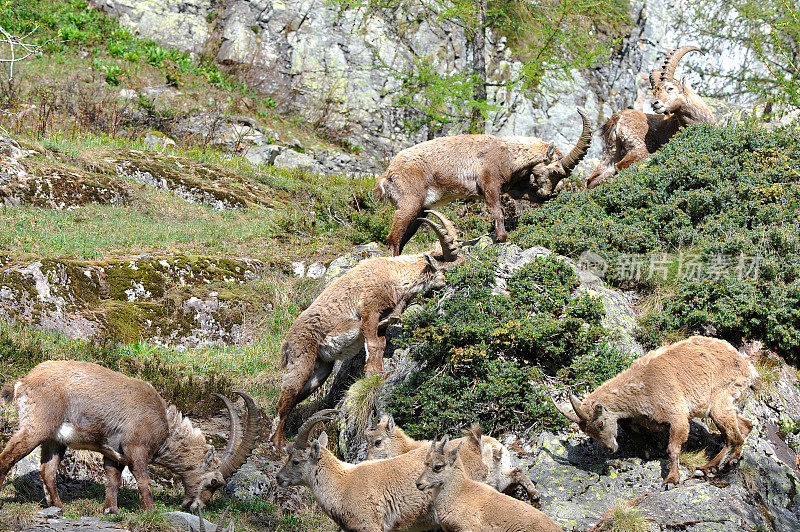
point(699, 473)
point(670, 485)
point(111, 510)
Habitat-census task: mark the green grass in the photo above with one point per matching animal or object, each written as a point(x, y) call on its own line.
point(693, 459)
point(627, 518)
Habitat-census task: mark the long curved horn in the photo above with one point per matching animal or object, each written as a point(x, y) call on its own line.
point(672, 60)
point(235, 431)
point(576, 406)
point(301, 440)
point(247, 443)
point(448, 236)
point(578, 152)
point(566, 413)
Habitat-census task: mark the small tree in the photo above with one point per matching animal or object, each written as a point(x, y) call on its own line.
point(19, 50)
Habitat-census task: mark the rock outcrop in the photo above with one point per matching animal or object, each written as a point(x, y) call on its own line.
point(338, 69)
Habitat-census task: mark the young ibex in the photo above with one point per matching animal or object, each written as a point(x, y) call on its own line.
point(85, 406)
point(469, 166)
point(461, 504)
point(354, 311)
point(372, 496)
point(386, 440)
point(631, 135)
point(695, 377)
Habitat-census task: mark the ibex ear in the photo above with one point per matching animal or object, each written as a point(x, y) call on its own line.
point(453, 454)
point(389, 423)
point(315, 448)
point(209, 458)
point(598, 410)
point(323, 439)
point(550, 150)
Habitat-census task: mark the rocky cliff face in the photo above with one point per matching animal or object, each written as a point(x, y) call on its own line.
point(339, 70)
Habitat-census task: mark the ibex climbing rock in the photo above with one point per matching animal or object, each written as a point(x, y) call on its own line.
point(469, 166)
point(630, 136)
point(353, 312)
point(696, 377)
point(64, 403)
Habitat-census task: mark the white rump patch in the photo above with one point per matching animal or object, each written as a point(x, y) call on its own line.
point(66, 433)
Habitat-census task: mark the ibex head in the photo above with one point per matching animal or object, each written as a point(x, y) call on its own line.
point(560, 167)
point(670, 95)
point(438, 463)
point(205, 472)
point(301, 464)
point(379, 436)
point(447, 253)
point(596, 422)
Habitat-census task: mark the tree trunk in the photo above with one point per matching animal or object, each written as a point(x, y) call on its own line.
point(478, 122)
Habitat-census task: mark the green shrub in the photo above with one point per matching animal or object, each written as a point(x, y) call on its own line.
point(723, 200)
point(486, 356)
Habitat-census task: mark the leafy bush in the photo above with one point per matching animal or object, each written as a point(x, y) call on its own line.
point(712, 220)
point(487, 356)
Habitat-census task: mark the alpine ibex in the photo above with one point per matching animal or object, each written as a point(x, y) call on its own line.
point(354, 311)
point(468, 166)
point(386, 440)
point(461, 504)
point(631, 135)
point(64, 403)
point(372, 496)
point(695, 377)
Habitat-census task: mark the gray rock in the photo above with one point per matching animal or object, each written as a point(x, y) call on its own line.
point(50, 512)
point(188, 522)
point(249, 483)
point(293, 159)
point(263, 154)
point(316, 270)
point(341, 265)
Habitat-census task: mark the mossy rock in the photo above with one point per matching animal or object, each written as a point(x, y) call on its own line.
point(172, 299)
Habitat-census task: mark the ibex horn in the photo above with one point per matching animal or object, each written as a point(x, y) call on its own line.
point(566, 413)
point(448, 236)
point(235, 431)
point(672, 60)
point(576, 406)
point(655, 77)
point(247, 443)
point(578, 152)
point(301, 440)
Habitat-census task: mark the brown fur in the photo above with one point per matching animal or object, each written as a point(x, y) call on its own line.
point(354, 311)
point(86, 406)
point(373, 496)
point(471, 166)
point(696, 377)
point(387, 440)
point(630, 136)
point(464, 505)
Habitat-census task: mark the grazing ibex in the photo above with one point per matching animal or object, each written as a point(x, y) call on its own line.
point(462, 504)
point(695, 377)
point(631, 135)
point(469, 166)
point(64, 403)
point(386, 440)
point(372, 496)
point(354, 311)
